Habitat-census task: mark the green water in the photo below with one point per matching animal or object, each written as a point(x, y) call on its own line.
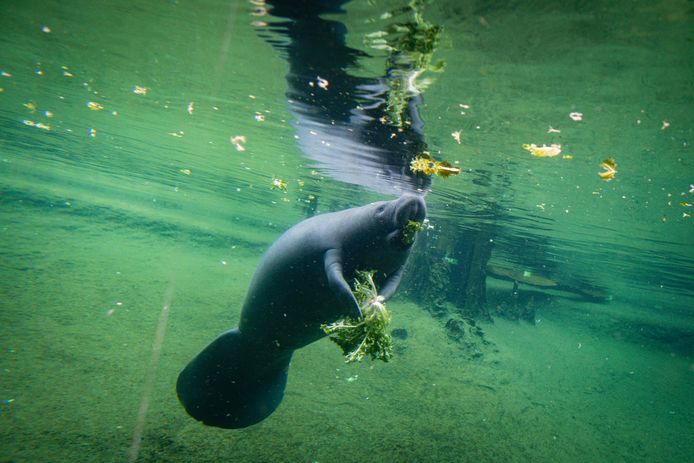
point(109, 216)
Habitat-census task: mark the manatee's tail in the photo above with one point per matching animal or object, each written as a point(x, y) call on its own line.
point(233, 383)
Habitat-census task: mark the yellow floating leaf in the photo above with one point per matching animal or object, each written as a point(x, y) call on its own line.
point(609, 169)
point(428, 166)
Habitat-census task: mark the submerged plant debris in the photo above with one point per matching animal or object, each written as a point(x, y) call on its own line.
point(609, 169)
point(368, 334)
point(426, 165)
point(543, 151)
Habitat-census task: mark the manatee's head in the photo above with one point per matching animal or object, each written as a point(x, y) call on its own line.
point(401, 219)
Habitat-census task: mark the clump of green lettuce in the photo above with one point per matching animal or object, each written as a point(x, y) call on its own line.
point(410, 230)
point(368, 334)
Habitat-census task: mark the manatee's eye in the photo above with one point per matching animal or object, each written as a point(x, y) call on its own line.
point(381, 209)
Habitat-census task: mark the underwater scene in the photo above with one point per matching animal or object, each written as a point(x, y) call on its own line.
point(489, 247)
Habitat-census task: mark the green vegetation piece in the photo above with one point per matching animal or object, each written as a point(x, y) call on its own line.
point(368, 334)
point(410, 230)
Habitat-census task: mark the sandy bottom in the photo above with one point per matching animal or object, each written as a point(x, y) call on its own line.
point(79, 316)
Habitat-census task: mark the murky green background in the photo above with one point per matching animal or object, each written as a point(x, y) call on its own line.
point(108, 216)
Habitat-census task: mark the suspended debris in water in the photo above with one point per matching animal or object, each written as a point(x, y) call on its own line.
point(38, 125)
point(190, 108)
point(279, 184)
point(322, 83)
point(5, 74)
point(543, 151)
point(428, 166)
point(609, 169)
point(178, 134)
point(553, 130)
point(456, 136)
point(576, 116)
point(92, 132)
point(238, 141)
point(46, 29)
point(185, 171)
point(31, 106)
point(260, 117)
point(259, 11)
point(138, 90)
point(66, 73)
point(666, 124)
point(94, 106)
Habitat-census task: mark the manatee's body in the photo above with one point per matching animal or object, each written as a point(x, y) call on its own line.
point(301, 283)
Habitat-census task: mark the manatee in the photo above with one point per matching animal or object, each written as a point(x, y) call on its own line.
point(301, 282)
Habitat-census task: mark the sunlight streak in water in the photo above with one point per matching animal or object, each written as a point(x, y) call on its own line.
point(150, 376)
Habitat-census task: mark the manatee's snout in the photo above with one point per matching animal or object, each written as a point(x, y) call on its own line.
point(409, 208)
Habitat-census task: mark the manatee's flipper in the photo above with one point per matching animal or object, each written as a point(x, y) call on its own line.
point(391, 284)
point(336, 280)
point(233, 383)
